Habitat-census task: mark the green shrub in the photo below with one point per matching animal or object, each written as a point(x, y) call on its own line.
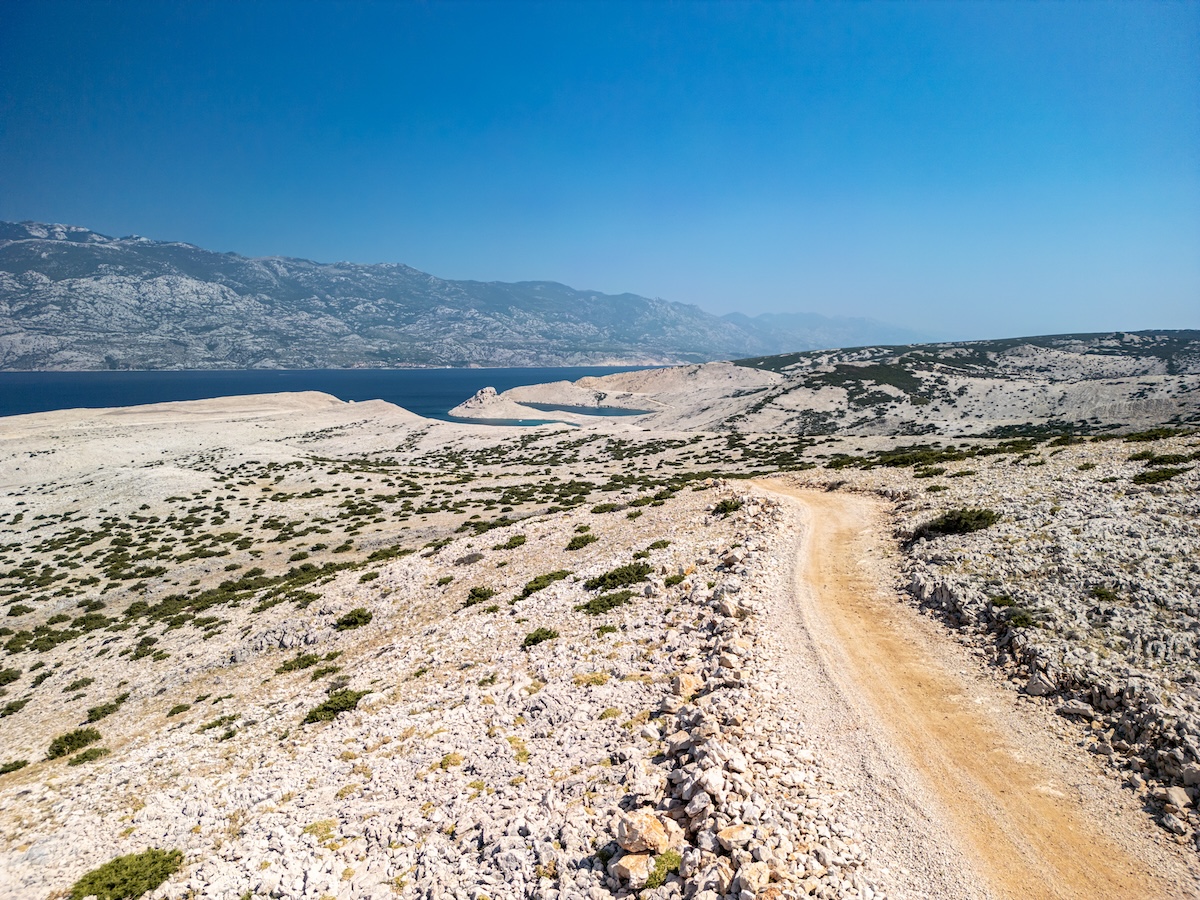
point(581, 540)
point(619, 577)
point(338, 702)
point(1153, 434)
point(78, 685)
point(666, 863)
point(368, 576)
point(356, 618)
point(537, 636)
point(1020, 618)
point(605, 602)
point(300, 661)
point(96, 713)
point(90, 755)
point(606, 629)
point(727, 506)
point(66, 744)
point(8, 676)
point(512, 543)
point(1003, 600)
point(12, 707)
point(13, 765)
point(128, 877)
point(1155, 476)
point(1105, 594)
point(178, 708)
point(541, 582)
point(958, 521)
point(659, 545)
point(607, 507)
point(479, 594)
point(672, 580)
point(445, 580)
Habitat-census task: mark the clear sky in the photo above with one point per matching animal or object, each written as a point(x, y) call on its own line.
point(965, 169)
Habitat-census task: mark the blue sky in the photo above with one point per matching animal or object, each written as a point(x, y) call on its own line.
point(964, 169)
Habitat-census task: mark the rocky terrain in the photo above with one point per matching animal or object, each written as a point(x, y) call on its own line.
point(74, 299)
point(337, 650)
point(1077, 382)
point(1085, 591)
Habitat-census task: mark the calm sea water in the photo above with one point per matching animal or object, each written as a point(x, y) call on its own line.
point(427, 392)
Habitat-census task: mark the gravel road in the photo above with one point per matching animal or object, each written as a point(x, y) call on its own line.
point(966, 794)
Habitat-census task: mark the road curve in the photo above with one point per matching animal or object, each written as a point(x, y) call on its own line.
point(1023, 831)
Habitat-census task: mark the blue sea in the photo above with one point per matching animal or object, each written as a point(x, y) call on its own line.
point(427, 392)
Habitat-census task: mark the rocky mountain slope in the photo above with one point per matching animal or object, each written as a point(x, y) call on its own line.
point(1064, 382)
point(303, 648)
point(74, 299)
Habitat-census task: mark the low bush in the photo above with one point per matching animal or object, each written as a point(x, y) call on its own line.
point(478, 595)
point(96, 713)
point(666, 863)
point(605, 602)
point(541, 582)
point(128, 877)
point(538, 636)
point(13, 765)
point(512, 543)
point(8, 676)
point(958, 521)
point(1020, 618)
point(581, 540)
point(300, 661)
point(12, 707)
point(607, 507)
point(727, 506)
point(178, 708)
point(368, 576)
point(90, 755)
point(337, 703)
point(619, 577)
point(672, 580)
point(1156, 476)
point(356, 618)
point(66, 744)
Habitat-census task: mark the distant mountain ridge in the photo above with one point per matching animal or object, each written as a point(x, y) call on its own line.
point(71, 298)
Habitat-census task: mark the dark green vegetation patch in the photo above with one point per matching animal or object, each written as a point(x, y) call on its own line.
point(538, 636)
point(1157, 476)
point(542, 582)
point(338, 702)
point(90, 755)
point(605, 602)
point(479, 594)
point(96, 713)
point(356, 618)
point(128, 877)
point(66, 744)
point(620, 577)
point(958, 521)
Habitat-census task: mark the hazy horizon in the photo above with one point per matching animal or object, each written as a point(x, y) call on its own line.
point(964, 171)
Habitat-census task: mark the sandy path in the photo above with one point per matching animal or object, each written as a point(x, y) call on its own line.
point(1008, 804)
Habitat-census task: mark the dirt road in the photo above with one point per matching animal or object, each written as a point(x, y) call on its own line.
point(1003, 793)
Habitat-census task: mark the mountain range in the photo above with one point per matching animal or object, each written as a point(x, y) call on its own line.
point(73, 299)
